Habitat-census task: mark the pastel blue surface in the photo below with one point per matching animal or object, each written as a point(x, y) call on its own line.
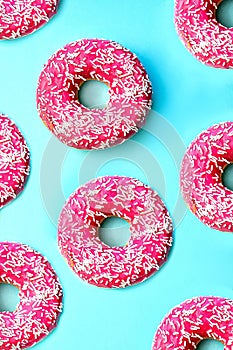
point(188, 97)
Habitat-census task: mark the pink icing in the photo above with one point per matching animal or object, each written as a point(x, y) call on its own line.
point(18, 18)
point(93, 59)
point(14, 161)
point(201, 176)
point(194, 320)
point(127, 198)
point(40, 296)
point(209, 41)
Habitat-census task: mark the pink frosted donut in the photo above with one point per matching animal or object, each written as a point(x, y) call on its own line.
point(201, 176)
point(93, 59)
point(40, 296)
point(209, 41)
point(14, 161)
point(127, 198)
point(18, 18)
point(195, 320)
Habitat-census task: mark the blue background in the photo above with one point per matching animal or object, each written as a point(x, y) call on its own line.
point(191, 97)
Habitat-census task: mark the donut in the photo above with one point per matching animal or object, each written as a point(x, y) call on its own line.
point(209, 41)
point(18, 18)
point(195, 320)
point(201, 177)
point(40, 295)
point(77, 126)
point(14, 160)
point(114, 267)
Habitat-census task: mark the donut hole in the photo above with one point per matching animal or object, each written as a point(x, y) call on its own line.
point(114, 232)
point(9, 297)
point(227, 177)
point(224, 13)
point(210, 344)
point(93, 94)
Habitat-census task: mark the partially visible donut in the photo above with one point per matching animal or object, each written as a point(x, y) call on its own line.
point(209, 41)
point(195, 320)
point(117, 267)
point(201, 176)
point(40, 296)
point(14, 161)
point(93, 59)
point(18, 18)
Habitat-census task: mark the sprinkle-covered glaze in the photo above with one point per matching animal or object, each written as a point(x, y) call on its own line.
point(127, 198)
point(18, 18)
point(209, 41)
point(93, 59)
point(194, 320)
point(14, 161)
point(40, 296)
point(201, 176)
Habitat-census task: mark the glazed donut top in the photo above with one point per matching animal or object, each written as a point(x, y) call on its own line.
point(208, 40)
point(40, 295)
point(21, 17)
point(130, 94)
point(194, 320)
point(14, 160)
point(201, 176)
point(150, 228)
